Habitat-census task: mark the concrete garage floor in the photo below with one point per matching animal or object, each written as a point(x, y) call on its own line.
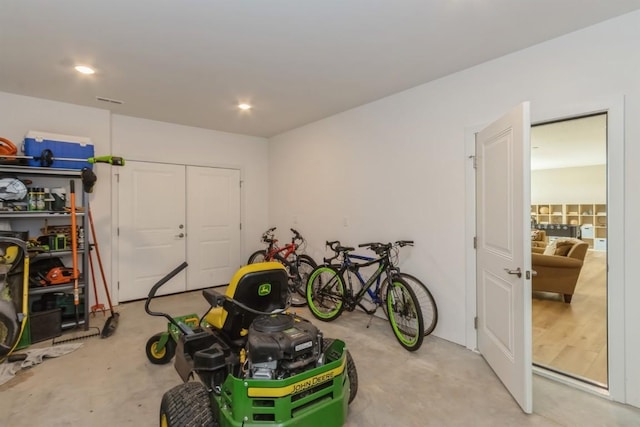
point(109, 382)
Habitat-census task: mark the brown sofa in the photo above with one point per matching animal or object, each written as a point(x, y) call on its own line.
point(558, 270)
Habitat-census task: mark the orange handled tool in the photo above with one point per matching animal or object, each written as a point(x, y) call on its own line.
point(74, 252)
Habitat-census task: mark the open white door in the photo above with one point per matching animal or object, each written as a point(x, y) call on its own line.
point(213, 218)
point(151, 228)
point(503, 251)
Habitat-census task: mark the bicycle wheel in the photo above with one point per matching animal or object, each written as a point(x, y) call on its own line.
point(425, 299)
point(298, 279)
point(405, 315)
point(257, 256)
point(296, 299)
point(325, 292)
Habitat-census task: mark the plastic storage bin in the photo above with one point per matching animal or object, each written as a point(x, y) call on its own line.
point(586, 231)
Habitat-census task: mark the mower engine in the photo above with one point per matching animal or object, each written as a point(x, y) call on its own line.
point(280, 346)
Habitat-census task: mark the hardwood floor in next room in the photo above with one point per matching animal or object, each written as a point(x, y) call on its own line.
point(572, 338)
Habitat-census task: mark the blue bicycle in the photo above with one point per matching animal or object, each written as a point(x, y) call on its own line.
point(328, 293)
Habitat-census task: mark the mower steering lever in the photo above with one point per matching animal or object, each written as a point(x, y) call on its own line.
point(154, 289)
point(165, 279)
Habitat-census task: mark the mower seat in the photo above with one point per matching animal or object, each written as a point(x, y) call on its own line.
point(261, 286)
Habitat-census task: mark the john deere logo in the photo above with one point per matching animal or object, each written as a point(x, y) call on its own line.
point(264, 289)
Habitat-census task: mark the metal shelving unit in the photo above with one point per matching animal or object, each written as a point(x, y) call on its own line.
point(33, 221)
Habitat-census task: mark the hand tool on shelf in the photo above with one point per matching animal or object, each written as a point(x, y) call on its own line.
point(74, 252)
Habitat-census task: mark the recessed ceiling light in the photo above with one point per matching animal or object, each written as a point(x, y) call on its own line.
point(84, 69)
point(244, 106)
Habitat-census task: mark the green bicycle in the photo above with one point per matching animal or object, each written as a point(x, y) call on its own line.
point(328, 293)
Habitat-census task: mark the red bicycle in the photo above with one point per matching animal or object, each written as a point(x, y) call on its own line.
point(299, 266)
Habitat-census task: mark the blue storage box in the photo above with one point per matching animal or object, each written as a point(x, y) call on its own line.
point(62, 147)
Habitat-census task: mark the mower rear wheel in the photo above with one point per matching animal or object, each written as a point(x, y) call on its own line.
point(352, 372)
point(160, 356)
point(187, 405)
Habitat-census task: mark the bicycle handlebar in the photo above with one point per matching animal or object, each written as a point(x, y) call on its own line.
point(296, 236)
point(267, 236)
point(381, 248)
point(338, 249)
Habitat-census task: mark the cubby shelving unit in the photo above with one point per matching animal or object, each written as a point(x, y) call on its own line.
point(590, 217)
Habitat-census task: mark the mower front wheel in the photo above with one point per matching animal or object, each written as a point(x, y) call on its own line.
point(187, 405)
point(160, 356)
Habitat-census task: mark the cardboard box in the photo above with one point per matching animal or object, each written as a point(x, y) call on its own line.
point(61, 146)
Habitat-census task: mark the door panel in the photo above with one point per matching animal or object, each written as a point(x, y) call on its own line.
point(502, 210)
point(151, 217)
point(213, 215)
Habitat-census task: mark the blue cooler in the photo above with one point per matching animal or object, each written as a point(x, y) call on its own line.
point(61, 146)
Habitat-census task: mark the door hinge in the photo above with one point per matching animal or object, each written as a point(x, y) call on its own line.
point(475, 322)
point(118, 231)
point(475, 242)
point(118, 285)
point(475, 162)
point(117, 178)
point(240, 226)
point(241, 183)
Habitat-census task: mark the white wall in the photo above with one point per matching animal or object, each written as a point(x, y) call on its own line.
point(395, 168)
point(144, 140)
point(19, 114)
point(152, 141)
point(587, 184)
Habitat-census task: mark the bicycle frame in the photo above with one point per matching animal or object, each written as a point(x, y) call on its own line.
point(371, 290)
point(348, 266)
point(285, 251)
point(274, 249)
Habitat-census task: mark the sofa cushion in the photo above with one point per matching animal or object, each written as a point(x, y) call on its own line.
point(561, 246)
point(550, 249)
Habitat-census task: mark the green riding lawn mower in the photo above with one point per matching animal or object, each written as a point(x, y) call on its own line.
point(256, 364)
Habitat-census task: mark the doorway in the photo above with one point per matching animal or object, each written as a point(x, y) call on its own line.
point(569, 201)
point(170, 213)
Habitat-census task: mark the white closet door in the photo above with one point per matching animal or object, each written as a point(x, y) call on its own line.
point(151, 228)
point(213, 218)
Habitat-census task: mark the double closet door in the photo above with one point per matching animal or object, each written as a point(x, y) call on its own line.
point(168, 214)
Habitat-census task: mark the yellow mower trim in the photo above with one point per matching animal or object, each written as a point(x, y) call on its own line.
point(299, 386)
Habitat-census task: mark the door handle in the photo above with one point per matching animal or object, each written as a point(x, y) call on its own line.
point(517, 272)
point(180, 235)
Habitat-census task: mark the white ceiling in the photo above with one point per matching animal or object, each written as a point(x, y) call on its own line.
point(296, 61)
point(569, 143)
